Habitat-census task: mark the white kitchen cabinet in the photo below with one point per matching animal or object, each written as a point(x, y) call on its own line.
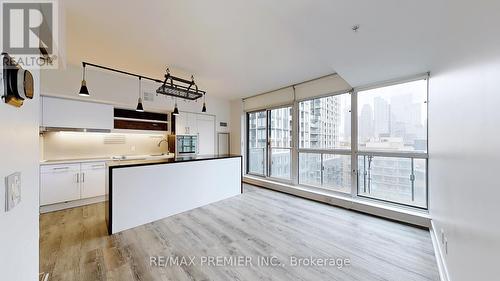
point(186, 124)
point(202, 125)
point(66, 113)
point(59, 183)
point(180, 123)
point(206, 134)
point(68, 182)
point(93, 179)
point(192, 123)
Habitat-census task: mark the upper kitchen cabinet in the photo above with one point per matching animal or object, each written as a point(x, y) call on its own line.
point(187, 123)
point(66, 113)
point(145, 121)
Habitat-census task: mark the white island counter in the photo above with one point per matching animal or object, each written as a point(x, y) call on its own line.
point(140, 192)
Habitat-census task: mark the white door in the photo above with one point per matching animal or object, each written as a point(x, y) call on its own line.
point(93, 179)
point(206, 134)
point(223, 143)
point(59, 183)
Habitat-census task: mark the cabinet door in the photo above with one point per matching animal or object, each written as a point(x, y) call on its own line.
point(93, 179)
point(180, 124)
point(59, 183)
point(206, 135)
point(192, 124)
point(58, 112)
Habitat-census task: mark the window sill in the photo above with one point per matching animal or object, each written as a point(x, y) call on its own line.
point(415, 217)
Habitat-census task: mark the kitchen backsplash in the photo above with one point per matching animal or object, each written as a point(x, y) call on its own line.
point(70, 145)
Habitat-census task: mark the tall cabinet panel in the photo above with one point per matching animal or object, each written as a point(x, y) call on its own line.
point(206, 134)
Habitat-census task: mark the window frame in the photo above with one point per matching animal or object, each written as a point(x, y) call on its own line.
point(404, 154)
point(353, 151)
point(267, 156)
point(321, 151)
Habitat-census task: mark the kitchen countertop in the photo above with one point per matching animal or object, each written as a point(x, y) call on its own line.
point(103, 159)
point(133, 163)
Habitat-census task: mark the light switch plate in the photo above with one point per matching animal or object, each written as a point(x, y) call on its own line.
point(12, 191)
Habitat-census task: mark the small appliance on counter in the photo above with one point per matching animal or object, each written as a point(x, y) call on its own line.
point(183, 145)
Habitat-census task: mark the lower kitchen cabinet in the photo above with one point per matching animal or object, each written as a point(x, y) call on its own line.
point(59, 183)
point(93, 179)
point(68, 182)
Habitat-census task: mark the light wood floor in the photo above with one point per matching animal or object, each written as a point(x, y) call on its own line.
point(74, 244)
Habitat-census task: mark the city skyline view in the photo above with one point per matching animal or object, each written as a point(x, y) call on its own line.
point(391, 119)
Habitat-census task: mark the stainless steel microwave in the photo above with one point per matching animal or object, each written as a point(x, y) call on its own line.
point(183, 145)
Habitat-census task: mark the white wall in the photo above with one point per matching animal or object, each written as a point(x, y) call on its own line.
point(19, 152)
point(237, 127)
point(123, 91)
point(464, 138)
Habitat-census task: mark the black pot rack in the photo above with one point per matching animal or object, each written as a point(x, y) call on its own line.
point(171, 85)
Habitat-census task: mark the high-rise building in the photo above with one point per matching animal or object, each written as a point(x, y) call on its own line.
point(382, 115)
point(365, 123)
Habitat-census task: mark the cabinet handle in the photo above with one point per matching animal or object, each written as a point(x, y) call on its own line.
point(83, 177)
point(77, 177)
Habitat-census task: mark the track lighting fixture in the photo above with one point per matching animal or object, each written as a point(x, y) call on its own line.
point(139, 101)
point(84, 92)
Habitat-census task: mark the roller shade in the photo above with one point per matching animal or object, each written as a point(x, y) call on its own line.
point(280, 97)
point(323, 86)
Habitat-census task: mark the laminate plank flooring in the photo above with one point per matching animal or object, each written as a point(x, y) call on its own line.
point(259, 223)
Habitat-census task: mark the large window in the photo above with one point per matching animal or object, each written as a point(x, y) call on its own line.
point(270, 143)
point(393, 118)
point(280, 145)
point(325, 123)
point(324, 132)
point(379, 152)
point(257, 139)
point(325, 170)
point(392, 143)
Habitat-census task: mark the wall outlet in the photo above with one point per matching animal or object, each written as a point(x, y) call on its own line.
point(12, 191)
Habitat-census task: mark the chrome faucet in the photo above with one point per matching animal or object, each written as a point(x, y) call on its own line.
point(163, 140)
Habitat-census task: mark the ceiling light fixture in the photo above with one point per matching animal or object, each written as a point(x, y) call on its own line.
point(176, 110)
point(139, 107)
point(204, 108)
point(84, 92)
point(355, 27)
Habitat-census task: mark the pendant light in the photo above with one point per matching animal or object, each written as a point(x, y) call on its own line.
point(139, 101)
point(204, 108)
point(84, 92)
point(176, 110)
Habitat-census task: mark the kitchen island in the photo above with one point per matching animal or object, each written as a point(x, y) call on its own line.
point(143, 191)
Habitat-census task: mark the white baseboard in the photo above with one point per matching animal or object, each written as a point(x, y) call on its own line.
point(443, 270)
point(71, 204)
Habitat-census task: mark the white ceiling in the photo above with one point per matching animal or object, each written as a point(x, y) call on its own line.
point(240, 48)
